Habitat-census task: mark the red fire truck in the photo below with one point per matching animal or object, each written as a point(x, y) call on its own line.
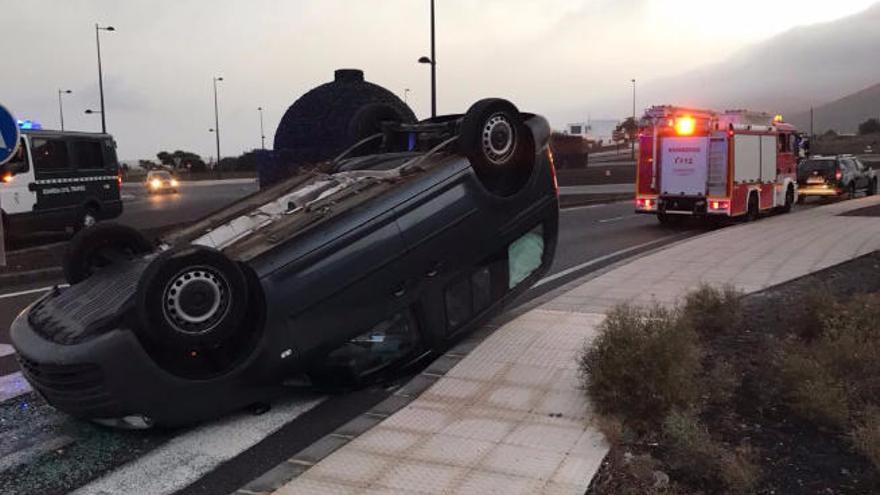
point(714, 164)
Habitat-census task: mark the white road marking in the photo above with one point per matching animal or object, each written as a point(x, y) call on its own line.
point(597, 205)
point(188, 457)
point(13, 385)
point(616, 219)
point(600, 259)
point(6, 350)
point(10, 295)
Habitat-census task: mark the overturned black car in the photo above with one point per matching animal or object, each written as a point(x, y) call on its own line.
point(409, 239)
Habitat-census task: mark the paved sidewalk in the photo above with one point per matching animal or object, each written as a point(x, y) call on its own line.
point(510, 418)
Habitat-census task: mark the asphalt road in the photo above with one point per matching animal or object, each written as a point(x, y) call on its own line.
point(590, 237)
point(193, 201)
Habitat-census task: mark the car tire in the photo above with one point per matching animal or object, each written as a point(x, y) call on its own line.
point(498, 145)
point(851, 191)
point(191, 298)
point(789, 199)
point(801, 199)
point(87, 219)
point(872, 188)
point(101, 246)
point(753, 210)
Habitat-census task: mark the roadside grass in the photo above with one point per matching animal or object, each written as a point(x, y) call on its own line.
point(659, 383)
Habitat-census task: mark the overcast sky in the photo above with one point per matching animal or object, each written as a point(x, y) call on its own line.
point(567, 59)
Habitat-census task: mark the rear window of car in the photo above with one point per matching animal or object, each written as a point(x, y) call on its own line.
point(818, 165)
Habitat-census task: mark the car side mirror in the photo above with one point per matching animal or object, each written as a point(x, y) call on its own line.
point(15, 167)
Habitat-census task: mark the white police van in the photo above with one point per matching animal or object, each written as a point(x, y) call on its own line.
point(59, 180)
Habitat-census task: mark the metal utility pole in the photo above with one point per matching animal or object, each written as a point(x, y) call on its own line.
point(262, 134)
point(811, 124)
point(433, 67)
point(633, 141)
point(217, 121)
point(98, 30)
point(432, 60)
point(61, 105)
point(406, 95)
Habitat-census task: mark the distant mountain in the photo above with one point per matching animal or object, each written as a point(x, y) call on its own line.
point(803, 67)
point(843, 115)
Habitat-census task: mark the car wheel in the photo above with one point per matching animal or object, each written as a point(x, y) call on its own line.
point(191, 298)
point(872, 188)
point(801, 199)
point(99, 247)
point(851, 194)
point(753, 209)
point(496, 142)
point(789, 199)
point(87, 219)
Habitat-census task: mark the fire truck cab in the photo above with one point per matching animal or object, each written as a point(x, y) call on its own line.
point(714, 164)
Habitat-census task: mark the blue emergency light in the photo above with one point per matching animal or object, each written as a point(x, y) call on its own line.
point(29, 125)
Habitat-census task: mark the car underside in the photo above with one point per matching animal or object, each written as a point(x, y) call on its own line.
point(411, 238)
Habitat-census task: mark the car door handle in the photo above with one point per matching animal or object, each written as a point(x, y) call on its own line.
point(434, 270)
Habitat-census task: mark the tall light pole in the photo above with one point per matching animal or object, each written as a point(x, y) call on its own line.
point(217, 120)
point(98, 30)
point(432, 60)
point(61, 105)
point(633, 141)
point(406, 95)
point(262, 134)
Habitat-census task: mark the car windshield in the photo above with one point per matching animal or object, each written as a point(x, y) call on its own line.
point(160, 175)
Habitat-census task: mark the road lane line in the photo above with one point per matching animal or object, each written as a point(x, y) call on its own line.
point(600, 259)
point(188, 457)
point(10, 295)
point(13, 385)
point(597, 205)
point(616, 219)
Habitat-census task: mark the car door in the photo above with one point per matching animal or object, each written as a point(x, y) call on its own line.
point(17, 195)
point(862, 172)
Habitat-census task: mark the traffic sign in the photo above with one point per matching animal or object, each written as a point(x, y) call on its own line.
point(9, 135)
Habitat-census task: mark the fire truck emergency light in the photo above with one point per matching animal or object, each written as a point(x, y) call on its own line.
point(685, 126)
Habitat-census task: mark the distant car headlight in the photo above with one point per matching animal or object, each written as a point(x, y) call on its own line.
point(155, 183)
point(174, 183)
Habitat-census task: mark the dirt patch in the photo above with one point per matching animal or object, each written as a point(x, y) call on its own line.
point(756, 424)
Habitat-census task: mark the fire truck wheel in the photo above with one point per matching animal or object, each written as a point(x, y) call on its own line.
point(752, 212)
point(789, 199)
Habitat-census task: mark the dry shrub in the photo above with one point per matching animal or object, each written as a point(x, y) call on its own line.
point(834, 375)
point(711, 311)
point(866, 435)
point(806, 317)
point(643, 364)
point(694, 454)
point(721, 382)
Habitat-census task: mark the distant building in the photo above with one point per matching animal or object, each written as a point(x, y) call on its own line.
point(594, 130)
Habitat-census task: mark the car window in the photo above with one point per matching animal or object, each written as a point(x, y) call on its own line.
point(784, 145)
point(848, 165)
point(89, 154)
point(17, 164)
point(49, 154)
point(859, 165)
point(159, 175)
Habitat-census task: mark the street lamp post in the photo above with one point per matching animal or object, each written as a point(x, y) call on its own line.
point(432, 60)
point(98, 30)
point(217, 120)
point(262, 134)
point(633, 141)
point(406, 95)
point(61, 105)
